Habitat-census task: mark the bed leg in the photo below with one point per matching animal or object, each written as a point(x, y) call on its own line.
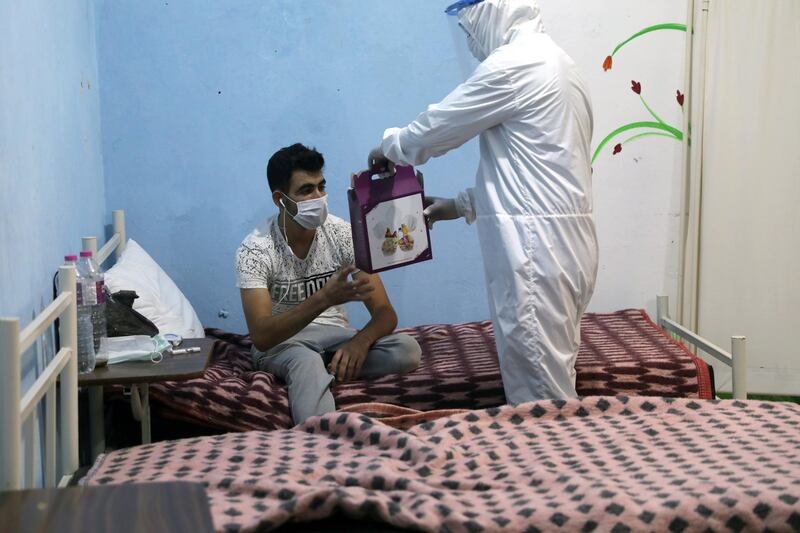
point(97, 430)
point(662, 309)
point(739, 367)
point(10, 436)
point(146, 437)
point(68, 332)
point(140, 404)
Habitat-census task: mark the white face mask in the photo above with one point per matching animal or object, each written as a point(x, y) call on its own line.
point(132, 348)
point(311, 214)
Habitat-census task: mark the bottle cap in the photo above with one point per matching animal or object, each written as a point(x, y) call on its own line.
point(86, 253)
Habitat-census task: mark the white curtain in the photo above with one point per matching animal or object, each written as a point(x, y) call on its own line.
point(743, 188)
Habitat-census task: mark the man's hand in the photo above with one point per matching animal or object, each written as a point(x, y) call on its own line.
point(376, 161)
point(348, 360)
point(439, 209)
point(339, 290)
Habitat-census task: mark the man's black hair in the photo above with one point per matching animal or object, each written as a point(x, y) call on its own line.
point(287, 160)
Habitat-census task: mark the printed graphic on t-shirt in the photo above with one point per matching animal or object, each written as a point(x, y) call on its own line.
point(293, 292)
point(265, 261)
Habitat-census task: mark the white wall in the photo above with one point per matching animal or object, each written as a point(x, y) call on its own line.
point(637, 192)
point(749, 281)
point(51, 170)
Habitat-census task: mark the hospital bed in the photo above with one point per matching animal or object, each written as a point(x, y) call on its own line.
point(598, 462)
point(643, 461)
point(623, 352)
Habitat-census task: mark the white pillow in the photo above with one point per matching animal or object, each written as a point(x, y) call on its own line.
point(160, 300)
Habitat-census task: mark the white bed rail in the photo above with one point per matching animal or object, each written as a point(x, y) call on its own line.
point(736, 359)
point(115, 244)
point(18, 414)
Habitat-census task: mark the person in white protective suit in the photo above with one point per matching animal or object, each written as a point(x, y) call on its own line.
point(532, 200)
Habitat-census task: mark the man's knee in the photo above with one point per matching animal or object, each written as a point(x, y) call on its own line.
point(306, 362)
point(293, 362)
point(407, 353)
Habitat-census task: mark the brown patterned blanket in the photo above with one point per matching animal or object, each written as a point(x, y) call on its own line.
point(621, 353)
point(591, 464)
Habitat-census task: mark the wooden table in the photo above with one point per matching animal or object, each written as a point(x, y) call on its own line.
point(138, 375)
point(136, 507)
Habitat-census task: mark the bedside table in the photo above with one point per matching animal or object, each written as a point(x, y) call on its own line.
point(138, 375)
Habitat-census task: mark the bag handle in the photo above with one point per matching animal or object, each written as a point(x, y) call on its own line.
point(364, 178)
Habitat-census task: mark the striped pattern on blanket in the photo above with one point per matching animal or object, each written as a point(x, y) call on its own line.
point(621, 353)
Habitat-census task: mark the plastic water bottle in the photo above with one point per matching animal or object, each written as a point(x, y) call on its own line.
point(98, 297)
point(84, 289)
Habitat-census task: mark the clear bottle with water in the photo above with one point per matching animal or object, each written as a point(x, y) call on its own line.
point(90, 269)
point(84, 287)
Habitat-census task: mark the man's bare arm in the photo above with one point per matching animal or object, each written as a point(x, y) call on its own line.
point(267, 331)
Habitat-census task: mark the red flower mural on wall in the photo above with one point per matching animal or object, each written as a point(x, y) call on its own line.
point(647, 128)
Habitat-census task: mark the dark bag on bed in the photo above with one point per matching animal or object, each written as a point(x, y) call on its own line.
point(122, 319)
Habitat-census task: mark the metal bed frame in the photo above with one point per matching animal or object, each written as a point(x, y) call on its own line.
point(18, 415)
point(736, 359)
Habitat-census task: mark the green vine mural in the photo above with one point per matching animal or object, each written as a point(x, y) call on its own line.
point(645, 128)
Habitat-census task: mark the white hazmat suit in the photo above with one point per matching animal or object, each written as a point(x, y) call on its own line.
point(532, 200)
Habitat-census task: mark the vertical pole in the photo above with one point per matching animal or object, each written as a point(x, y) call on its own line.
point(10, 429)
point(662, 308)
point(687, 160)
point(119, 227)
point(50, 437)
point(739, 370)
point(146, 437)
point(29, 434)
point(68, 332)
point(89, 244)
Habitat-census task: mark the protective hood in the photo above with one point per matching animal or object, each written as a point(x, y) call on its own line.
point(492, 23)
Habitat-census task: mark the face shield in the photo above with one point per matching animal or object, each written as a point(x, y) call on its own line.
point(455, 7)
point(466, 61)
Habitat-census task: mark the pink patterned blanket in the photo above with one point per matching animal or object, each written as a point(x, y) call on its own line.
point(596, 464)
point(621, 353)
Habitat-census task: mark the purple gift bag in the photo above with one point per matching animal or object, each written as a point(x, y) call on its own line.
point(389, 229)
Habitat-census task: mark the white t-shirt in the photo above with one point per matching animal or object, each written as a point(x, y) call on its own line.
point(265, 261)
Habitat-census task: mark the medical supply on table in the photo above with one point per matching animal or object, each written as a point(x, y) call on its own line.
point(174, 339)
point(182, 351)
point(134, 348)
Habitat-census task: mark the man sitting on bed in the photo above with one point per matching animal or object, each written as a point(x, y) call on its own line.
point(292, 272)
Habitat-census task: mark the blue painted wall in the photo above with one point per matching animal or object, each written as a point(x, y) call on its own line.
point(52, 189)
point(197, 95)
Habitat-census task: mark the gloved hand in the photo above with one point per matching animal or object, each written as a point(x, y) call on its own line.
point(377, 161)
point(439, 209)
